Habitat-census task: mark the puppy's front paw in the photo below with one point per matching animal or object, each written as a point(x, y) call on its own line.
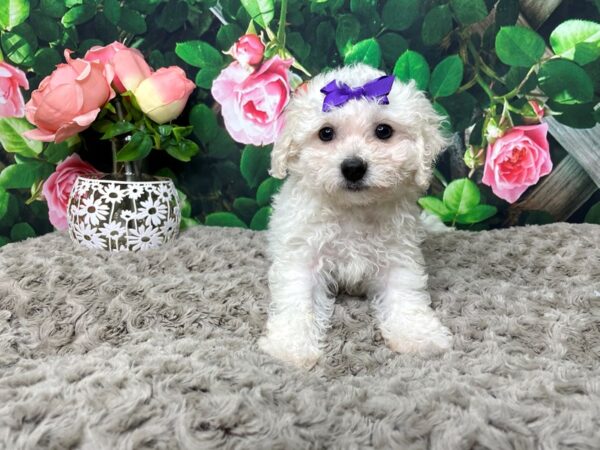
point(426, 336)
point(299, 354)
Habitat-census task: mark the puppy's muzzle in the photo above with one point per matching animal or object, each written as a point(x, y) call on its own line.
point(353, 169)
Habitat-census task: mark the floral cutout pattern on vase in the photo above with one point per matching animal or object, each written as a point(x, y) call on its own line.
point(122, 215)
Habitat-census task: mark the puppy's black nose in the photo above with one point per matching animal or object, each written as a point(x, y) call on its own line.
point(354, 169)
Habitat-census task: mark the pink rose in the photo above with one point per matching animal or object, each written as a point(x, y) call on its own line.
point(57, 188)
point(69, 99)
point(252, 102)
point(104, 54)
point(129, 64)
point(11, 98)
point(130, 68)
point(248, 50)
point(163, 95)
point(517, 160)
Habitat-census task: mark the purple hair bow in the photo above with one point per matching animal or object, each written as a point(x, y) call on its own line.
point(338, 94)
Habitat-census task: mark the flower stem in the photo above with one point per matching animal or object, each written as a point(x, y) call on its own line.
point(131, 170)
point(516, 90)
point(281, 29)
point(481, 82)
point(113, 146)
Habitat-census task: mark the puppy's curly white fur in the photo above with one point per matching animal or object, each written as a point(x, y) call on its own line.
point(346, 217)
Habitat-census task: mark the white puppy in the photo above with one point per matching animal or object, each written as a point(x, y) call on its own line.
point(346, 218)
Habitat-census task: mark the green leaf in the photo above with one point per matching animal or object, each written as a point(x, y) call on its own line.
point(112, 11)
point(260, 221)
point(12, 140)
point(367, 51)
point(460, 108)
point(254, 164)
point(144, 6)
point(245, 207)
point(13, 13)
point(323, 40)
point(519, 46)
point(224, 219)
point(266, 190)
point(21, 231)
point(4, 240)
point(53, 8)
point(206, 76)
point(593, 215)
point(222, 146)
point(87, 44)
point(173, 15)
point(132, 21)
point(182, 132)
point(400, 14)
point(412, 66)
point(565, 82)
point(46, 28)
point(55, 153)
point(228, 35)
point(199, 54)
point(261, 11)
point(79, 14)
point(185, 205)
point(4, 203)
point(363, 7)
point(447, 122)
point(20, 44)
point(118, 128)
point(204, 121)
point(578, 40)
point(469, 11)
point(507, 12)
point(436, 206)
point(298, 45)
point(183, 150)
point(346, 32)
point(446, 77)
point(478, 213)
point(188, 222)
point(392, 46)
point(515, 76)
point(22, 176)
point(461, 196)
point(576, 116)
point(137, 148)
point(436, 25)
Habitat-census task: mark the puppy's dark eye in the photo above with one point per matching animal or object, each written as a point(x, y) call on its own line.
point(383, 131)
point(326, 134)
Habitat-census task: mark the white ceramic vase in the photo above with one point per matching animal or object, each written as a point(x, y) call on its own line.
point(117, 216)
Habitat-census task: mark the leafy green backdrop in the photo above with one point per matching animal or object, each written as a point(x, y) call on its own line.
point(228, 184)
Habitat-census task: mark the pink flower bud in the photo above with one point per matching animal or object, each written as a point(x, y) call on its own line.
point(536, 114)
point(130, 68)
point(163, 95)
point(248, 50)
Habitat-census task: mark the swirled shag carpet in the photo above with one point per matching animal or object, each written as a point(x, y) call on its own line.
point(158, 350)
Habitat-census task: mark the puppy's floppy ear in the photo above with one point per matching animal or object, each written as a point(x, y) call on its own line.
point(431, 142)
point(285, 146)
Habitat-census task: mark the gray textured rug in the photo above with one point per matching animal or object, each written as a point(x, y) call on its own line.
point(158, 350)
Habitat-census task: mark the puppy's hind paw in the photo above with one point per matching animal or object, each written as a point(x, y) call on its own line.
point(302, 356)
